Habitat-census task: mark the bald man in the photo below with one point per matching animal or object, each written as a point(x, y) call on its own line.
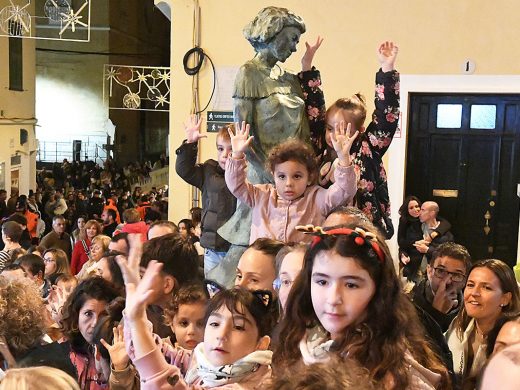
point(432, 238)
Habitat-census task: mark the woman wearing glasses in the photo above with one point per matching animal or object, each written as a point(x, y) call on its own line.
point(491, 290)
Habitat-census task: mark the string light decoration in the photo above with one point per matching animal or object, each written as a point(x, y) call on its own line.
point(61, 20)
point(145, 88)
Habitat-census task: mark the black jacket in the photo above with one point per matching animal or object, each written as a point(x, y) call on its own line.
point(218, 204)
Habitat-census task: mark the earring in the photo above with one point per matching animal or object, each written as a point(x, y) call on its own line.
point(502, 304)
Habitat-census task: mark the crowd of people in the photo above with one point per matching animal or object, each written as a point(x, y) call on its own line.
point(98, 290)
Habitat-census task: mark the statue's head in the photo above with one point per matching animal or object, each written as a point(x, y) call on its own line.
point(270, 22)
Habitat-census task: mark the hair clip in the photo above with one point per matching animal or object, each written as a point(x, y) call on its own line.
point(212, 288)
point(361, 237)
point(265, 297)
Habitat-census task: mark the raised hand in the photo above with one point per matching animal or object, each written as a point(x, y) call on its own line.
point(309, 54)
point(138, 297)
point(130, 266)
point(192, 129)
point(342, 142)
point(57, 298)
point(241, 140)
point(118, 355)
point(387, 54)
point(445, 298)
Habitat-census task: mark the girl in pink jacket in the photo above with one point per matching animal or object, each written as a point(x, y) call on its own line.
point(295, 198)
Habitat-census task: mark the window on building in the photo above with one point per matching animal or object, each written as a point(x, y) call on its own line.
point(15, 60)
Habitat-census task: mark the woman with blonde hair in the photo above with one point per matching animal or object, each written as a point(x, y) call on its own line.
point(97, 250)
point(81, 251)
point(37, 378)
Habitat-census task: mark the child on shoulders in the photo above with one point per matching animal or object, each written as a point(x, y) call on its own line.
point(295, 198)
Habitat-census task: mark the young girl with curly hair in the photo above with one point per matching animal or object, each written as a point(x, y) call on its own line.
point(295, 198)
point(347, 302)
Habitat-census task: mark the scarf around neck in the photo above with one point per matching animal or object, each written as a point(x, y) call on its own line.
point(213, 376)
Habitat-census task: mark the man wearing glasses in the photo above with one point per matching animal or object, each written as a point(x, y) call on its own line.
point(440, 294)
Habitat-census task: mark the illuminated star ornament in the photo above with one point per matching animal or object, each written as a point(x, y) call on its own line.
point(15, 20)
point(71, 19)
point(137, 88)
point(55, 20)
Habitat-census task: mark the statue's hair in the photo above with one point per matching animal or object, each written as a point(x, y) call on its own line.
point(268, 23)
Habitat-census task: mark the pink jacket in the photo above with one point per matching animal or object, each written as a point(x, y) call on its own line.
point(274, 217)
point(157, 374)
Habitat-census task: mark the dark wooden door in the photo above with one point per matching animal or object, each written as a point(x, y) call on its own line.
point(464, 153)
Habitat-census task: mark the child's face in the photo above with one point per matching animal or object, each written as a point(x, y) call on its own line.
point(229, 337)
point(340, 290)
point(291, 178)
point(255, 270)
point(223, 151)
point(289, 270)
point(335, 117)
point(188, 324)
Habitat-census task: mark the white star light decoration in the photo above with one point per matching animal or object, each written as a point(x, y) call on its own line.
point(72, 18)
point(130, 87)
point(59, 21)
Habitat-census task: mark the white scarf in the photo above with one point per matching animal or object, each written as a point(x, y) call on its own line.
point(315, 346)
point(213, 376)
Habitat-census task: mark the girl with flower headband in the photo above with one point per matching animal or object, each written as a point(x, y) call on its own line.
point(347, 302)
point(233, 354)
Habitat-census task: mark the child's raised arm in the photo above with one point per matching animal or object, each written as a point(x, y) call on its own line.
point(235, 173)
point(186, 162)
point(342, 142)
point(192, 129)
point(240, 141)
point(387, 54)
point(309, 54)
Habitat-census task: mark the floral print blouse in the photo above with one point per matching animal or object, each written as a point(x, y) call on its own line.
point(367, 153)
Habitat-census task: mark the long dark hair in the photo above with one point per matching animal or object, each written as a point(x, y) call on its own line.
point(379, 343)
point(403, 210)
point(92, 288)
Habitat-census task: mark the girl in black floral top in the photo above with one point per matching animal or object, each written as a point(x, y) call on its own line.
point(372, 143)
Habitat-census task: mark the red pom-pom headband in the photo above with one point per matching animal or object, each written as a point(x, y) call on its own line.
point(361, 237)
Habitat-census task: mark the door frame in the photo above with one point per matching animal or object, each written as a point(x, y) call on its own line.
point(396, 155)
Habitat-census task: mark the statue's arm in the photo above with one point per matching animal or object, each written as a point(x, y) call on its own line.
point(243, 111)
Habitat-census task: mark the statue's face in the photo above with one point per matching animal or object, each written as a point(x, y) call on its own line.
point(284, 44)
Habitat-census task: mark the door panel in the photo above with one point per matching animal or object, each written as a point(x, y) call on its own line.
point(474, 172)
